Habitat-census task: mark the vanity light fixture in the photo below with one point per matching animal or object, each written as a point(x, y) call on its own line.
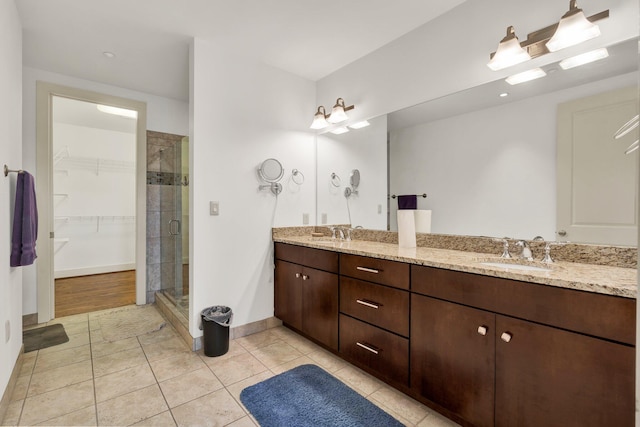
point(526, 76)
point(338, 114)
point(123, 112)
point(321, 119)
point(339, 131)
point(573, 28)
point(359, 125)
point(585, 58)
point(508, 53)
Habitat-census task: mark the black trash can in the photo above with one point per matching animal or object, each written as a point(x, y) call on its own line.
point(215, 326)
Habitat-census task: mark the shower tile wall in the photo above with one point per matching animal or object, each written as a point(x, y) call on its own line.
point(163, 175)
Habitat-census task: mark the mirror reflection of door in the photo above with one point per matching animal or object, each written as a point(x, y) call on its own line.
point(94, 206)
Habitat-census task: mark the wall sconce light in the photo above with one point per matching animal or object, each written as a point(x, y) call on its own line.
point(338, 115)
point(320, 119)
point(573, 28)
point(508, 53)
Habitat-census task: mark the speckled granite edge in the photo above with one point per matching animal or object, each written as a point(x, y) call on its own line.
point(614, 256)
point(608, 280)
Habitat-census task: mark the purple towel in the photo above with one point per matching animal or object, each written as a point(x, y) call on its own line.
point(25, 222)
point(408, 202)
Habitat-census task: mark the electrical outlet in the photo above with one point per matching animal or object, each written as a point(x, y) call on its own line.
point(214, 208)
point(305, 219)
point(324, 218)
point(7, 330)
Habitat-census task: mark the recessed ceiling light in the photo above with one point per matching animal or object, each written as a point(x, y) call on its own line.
point(526, 76)
point(338, 131)
point(360, 125)
point(585, 58)
point(504, 94)
point(109, 54)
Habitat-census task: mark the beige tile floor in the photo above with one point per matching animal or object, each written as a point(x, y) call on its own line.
point(155, 380)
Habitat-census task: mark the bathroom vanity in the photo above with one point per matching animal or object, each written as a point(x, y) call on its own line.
point(484, 345)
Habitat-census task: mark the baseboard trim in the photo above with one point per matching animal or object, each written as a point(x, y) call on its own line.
point(29, 319)
point(88, 271)
point(6, 396)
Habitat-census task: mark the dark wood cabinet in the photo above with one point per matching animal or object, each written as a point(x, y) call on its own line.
point(453, 357)
point(550, 377)
point(485, 351)
point(288, 293)
point(382, 306)
point(492, 369)
point(306, 298)
point(320, 306)
point(375, 348)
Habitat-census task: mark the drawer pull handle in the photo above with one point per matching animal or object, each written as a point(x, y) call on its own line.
point(297, 275)
point(368, 270)
point(506, 336)
point(482, 330)
point(305, 277)
point(368, 303)
point(369, 348)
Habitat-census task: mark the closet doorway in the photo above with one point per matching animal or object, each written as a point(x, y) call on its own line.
point(92, 206)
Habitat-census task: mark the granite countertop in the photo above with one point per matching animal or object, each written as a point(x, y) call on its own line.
point(606, 280)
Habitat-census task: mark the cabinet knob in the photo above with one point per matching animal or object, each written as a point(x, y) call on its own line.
point(482, 330)
point(506, 336)
point(562, 233)
point(305, 277)
point(297, 275)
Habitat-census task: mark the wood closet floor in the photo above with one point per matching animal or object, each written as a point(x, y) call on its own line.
point(83, 294)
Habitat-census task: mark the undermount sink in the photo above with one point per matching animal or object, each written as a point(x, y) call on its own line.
point(514, 266)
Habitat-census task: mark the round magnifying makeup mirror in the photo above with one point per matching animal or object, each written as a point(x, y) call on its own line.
point(271, 170)
point(355, 178)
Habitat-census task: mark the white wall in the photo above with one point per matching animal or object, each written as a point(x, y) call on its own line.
point(363, 149)
point(163, 115)
point(98, 216)
point(450, 53)
point(10, 154)
point(491, 172)
point(243, 113)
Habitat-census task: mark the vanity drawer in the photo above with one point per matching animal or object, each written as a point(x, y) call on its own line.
point(382, 306)
point(603, 316)
point(382, 351)
point(390, 273)
point(311, 257)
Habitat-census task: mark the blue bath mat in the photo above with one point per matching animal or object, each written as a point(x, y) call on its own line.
point(309, 396)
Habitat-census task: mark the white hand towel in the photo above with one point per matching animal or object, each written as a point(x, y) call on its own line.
point(406, 228)
point(423, 221)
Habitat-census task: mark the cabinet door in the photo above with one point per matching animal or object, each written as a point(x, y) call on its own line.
point(453, 357)
point(288, 293)
point(550, 377)
point(320, 306)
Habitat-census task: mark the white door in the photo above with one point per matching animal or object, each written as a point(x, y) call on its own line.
point(597, 187)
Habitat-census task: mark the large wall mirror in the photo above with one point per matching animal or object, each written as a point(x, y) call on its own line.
point(489, 163)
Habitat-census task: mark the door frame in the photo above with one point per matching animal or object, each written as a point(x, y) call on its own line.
point(44, 188)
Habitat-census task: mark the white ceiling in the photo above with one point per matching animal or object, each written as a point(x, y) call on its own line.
point(151, 37)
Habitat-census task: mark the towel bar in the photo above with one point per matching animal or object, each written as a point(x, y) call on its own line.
point(418, 195)
point(7, 170)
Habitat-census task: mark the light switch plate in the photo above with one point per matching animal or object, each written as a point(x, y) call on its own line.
point(214, 208)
